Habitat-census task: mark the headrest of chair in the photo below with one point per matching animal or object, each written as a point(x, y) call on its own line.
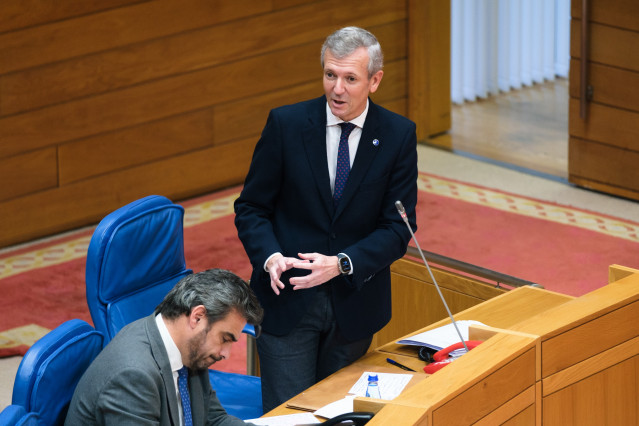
point(52, 367)
point(137, 305)
point(132, 248)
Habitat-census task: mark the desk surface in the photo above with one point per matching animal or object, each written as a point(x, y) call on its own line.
point(500, 312)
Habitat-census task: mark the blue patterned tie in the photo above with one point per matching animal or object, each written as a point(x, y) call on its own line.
point(183, 387)
point(343, 162)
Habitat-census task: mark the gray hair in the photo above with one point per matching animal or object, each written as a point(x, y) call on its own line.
point(218, 290)
point(345, 41)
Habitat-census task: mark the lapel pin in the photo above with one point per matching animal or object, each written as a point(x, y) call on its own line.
point(375, 142)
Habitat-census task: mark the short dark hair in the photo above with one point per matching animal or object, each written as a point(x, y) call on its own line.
point(218, 290)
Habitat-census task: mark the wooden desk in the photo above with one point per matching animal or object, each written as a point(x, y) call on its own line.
point(547, 359)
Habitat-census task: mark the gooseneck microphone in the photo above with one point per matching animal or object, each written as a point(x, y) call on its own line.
point(402, 213)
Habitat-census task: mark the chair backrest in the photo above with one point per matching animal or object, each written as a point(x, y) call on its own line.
point(16, 415)
point(51, 368)
point(136, 255)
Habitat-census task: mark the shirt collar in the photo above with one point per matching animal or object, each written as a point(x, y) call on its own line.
point(175, 357)
point(332, 120)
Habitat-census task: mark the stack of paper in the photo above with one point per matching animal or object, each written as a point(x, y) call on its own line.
point(441, 337)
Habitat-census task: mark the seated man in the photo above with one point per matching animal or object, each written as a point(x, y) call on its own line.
point(138, 376)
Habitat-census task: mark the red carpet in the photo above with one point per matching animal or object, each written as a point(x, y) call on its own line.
point(565, 250)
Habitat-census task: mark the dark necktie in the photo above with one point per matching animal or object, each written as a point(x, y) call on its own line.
point(183, 387)
point(343, 162)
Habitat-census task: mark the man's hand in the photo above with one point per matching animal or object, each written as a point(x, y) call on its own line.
point(276, 266)
point(323, 268)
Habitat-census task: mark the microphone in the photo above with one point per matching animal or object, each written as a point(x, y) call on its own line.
point(402, 213)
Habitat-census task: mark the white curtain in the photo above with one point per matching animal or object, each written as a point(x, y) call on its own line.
point(502, 45)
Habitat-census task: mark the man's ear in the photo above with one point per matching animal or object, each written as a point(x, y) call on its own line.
point(374, 81)
point(198, 315)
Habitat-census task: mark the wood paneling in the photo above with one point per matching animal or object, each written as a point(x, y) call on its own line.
point(608, 45)
point(103, 102)
point(603, 147)
point(606, 124)
point(612, 86)
point(28, 173)
point(137, 145)
point(478, 400)
point(416, 302)
point(616, 13)
point(605, 164)
point(86, 201)
point(191, 51)
point(429, 68)
point(85, 35)
point(605, 398)
point(17, 14)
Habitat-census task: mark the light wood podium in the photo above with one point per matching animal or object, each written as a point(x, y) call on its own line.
point(547, 358)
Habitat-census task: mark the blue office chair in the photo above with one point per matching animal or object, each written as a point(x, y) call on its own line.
point(50, 371)
point(17, 415)
point(136, 255)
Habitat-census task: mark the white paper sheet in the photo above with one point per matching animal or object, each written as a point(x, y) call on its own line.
point(286, 420)
point(390, 384)
point(341, 406)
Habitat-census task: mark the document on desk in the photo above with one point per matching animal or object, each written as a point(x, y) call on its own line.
point(286, 420)
point(441, 337)
point(390, 384)
point(334, 409)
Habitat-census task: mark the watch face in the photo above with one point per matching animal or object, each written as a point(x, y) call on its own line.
point(344, 265)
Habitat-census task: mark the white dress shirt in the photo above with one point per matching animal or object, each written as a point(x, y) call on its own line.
point(333, 133)
point(175, 359)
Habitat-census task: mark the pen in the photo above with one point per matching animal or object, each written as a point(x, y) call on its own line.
point(403, 367)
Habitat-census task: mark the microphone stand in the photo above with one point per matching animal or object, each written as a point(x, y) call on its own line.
point(402, 213)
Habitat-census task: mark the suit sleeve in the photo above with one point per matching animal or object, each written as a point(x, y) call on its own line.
point(254, 208)
point(389, 240)
point(130, 397)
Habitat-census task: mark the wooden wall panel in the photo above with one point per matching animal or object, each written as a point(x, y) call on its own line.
point(136, 145)
point(103, 102)
point(616, 127)
point(603, 147)
point(186, 52)
point(86, 201)
point(27, 173)
point(616, 13)
point(429, 69)
point(591, 401)
point(605, 164)
point(60, 40)
point(17, 14)
point(613, 86)
point(608, 45)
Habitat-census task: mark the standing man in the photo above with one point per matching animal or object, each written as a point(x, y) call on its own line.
point(318, 221)
point(155, 370)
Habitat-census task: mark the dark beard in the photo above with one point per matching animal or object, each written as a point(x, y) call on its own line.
point(196, 360)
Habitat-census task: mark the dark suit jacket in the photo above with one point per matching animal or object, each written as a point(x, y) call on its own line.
point(131, 383)
point(286, 206)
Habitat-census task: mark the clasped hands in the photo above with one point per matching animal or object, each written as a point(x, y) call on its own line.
point(323, 268)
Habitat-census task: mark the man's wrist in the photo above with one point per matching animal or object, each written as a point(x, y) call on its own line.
point(344, 264)
point(269, 259)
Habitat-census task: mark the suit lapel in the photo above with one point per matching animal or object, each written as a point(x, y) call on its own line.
point(162, 360)
point(315, 145)
point(366, 152)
